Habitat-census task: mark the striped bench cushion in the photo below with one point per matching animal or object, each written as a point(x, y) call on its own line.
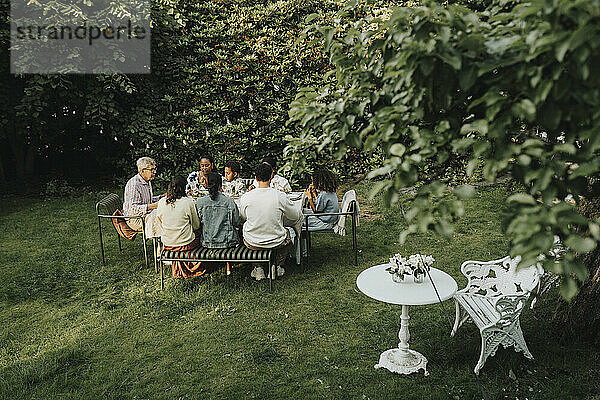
point(240, 253)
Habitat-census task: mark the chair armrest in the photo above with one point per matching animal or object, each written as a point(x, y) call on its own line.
point(506, 308)
point(509, 307)
point(321, 214)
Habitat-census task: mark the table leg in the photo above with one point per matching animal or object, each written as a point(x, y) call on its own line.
point(403, 360)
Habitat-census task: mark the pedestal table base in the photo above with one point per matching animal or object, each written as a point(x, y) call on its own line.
point(403, 360)
point(400, 362)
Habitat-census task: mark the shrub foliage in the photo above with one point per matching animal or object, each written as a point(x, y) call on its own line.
point(511, 88)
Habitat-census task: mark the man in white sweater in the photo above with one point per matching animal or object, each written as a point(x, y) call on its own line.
point(264, 211)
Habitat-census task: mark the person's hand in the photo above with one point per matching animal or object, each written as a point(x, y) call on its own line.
point(250, 187)
point(152, 206)
point(311, 193)
point(202, 180)
point(163, 195)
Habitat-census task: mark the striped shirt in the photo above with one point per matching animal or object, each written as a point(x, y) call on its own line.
point(138, 195)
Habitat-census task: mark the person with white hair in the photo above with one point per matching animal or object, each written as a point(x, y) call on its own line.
point(138, 198)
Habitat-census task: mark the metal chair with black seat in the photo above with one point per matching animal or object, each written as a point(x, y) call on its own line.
point(111, 209)
point(352, 211)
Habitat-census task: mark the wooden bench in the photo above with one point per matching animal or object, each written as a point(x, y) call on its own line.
point(234, 254)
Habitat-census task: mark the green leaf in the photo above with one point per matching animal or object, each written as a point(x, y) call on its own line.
point(585, 169)
point(467, 78)
point(561, 50)
point(565, 148)
point(480, 125)
point(525, 109)
point(594, 230)
point(521, 198)
point(464, 191)
point(442, 126)
point(310, 18)
point(451, 59)
point(371, 142)
point(524, 160)
point(568, 288)
point(460, 145)
point(444, 228)
point(378, 187)
point(580, 244)
point(397, 149)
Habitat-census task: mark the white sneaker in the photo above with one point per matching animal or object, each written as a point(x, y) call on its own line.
point(258, 273)
point(280, 270)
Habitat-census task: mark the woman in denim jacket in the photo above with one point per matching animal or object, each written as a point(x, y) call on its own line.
point(219, 216)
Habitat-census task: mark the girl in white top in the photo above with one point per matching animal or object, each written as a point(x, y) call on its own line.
point(179, 219)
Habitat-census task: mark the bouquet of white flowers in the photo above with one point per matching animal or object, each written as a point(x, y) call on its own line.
point(416, 265)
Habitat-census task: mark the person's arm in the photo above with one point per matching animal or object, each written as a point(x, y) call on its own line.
point(159, 212)
point(290, 211)
point(133, 203)
point(191, 185)
point(195, 217)
point(310, 196)
point(320, 203)
point(286, 187)
point(254, 185)
point(235, 216)
point(242, 210)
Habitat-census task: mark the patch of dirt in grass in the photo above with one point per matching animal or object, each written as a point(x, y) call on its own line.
point(367, 213)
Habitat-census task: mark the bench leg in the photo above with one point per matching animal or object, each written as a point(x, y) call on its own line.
point(144, 243)
point(101, 242)
point(269, 268)
point(154, 250)
point(162, 274)
point(354, 243)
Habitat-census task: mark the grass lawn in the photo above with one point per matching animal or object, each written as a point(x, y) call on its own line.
point(71, 328)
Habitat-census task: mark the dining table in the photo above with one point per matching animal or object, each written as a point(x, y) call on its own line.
point(376, 283)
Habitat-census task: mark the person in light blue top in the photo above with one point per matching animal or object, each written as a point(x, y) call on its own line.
point(219, 216)
point(322, 199)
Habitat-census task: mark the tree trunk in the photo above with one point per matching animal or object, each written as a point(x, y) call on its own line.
point(581, 317)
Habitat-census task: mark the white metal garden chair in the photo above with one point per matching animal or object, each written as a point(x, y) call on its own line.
point(493, 299)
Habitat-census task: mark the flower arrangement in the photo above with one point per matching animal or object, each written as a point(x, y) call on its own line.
point(415, 265)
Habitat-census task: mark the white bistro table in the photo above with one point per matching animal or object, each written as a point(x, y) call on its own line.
point(377, 283)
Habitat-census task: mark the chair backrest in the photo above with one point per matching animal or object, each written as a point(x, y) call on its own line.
point(501, 277)
point(109, 204)
point(350, 199)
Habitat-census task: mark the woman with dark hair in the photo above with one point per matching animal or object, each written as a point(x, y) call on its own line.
point(322, 199)
point(196, 181)
point(219, 216)
point(179, 219)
